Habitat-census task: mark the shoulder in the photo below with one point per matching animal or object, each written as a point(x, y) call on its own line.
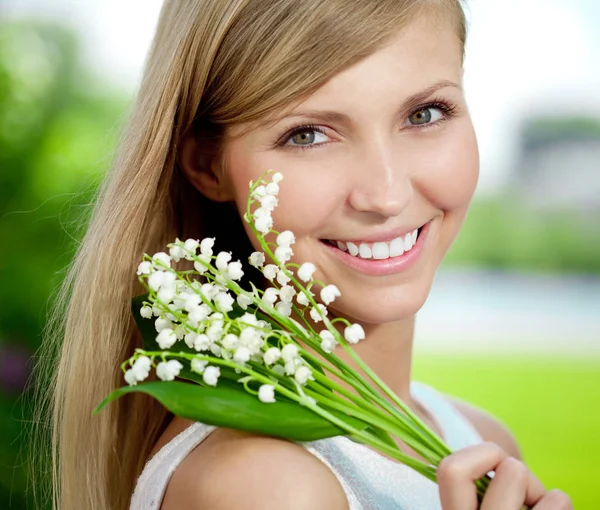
point(234, 469)
point(489, 427)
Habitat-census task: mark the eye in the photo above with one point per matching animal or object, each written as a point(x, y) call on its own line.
point(431, 114)
point(425, 116)
point(304, 137)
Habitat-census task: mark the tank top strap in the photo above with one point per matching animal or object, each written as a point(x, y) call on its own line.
point(457, 431)
point(152, 483)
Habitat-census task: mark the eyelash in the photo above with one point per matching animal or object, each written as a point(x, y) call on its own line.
point(448, 108)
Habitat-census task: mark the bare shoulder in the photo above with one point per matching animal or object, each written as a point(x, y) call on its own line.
point(489, 427)
point(234, 469)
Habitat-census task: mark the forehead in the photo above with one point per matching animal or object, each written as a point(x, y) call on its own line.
point(425, 52)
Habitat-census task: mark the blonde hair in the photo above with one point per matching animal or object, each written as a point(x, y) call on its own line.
point(213, 64)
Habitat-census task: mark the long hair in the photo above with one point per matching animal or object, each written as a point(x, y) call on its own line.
point(213, 64)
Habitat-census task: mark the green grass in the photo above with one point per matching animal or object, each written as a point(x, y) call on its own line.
point(551, 405)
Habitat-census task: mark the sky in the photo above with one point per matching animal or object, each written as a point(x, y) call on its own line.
point(523, 57)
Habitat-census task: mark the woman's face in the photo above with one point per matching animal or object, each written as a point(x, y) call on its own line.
point(392, 148)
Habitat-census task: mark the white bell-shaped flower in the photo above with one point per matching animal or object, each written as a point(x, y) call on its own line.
point(168, 370)
point(211, 375)
point(329, 293)
point(306, 271)
point(266, 393)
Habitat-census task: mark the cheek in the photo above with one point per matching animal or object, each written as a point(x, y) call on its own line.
point(451, 171)
point(308, 194)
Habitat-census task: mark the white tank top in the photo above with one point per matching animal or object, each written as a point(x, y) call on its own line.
point(370, 480)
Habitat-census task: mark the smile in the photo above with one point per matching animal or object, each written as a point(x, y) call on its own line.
point(380, 250)
point(380, 258)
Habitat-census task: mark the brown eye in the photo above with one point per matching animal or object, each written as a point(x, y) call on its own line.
point(421, 117)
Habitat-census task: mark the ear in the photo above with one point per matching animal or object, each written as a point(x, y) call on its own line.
point(202, 169)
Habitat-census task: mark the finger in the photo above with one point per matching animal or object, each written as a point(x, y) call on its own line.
point(457, 473)
point(508, 488)
point(554, 500)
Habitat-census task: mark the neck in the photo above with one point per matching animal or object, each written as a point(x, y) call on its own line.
point(386, 350)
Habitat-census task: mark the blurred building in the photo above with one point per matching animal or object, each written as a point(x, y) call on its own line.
point(558, 163)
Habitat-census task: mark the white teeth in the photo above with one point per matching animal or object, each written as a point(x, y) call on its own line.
point(364, 250)
point(381, 251)
point(396, 247)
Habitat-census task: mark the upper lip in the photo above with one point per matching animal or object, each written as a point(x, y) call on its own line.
point(387, 236)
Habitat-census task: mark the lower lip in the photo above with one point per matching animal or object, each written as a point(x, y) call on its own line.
point(384, 267)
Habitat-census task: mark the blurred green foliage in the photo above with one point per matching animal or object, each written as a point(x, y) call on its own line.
point(58, 127)
point(504, 233)
point(550, 404)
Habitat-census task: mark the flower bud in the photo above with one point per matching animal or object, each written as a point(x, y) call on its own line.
point(283, 253)
point(266, 393)
point(264, 224)
point(271, 355)
point(168, 370)
point(354, 333)
point(144, 268)
point(306, 271)
point(270, 271)
point(314, 312)
point(257, 259)
point(244, 301)
point(234, 270)
point(286, 238)
point(163, 258)
point(328, 341)
point(302, 375)
point(177, 252)
point(166, 338)
point(146, 312)
point(270, 295)
point(289, 352)
point(206, 245)
point(211, 375)
point(198, 365)
point(222, 260)
point(329, 293)
point(241, 355)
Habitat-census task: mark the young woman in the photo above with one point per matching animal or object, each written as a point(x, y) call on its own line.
point(359, 104)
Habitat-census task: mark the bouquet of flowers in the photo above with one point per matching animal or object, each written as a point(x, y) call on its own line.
point(244, 362)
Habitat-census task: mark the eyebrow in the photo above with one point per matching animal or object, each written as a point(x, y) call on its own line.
point(341, 118)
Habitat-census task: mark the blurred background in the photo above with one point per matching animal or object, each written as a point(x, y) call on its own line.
point(513, 321)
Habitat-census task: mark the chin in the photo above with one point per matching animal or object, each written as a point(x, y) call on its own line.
point(384, 305)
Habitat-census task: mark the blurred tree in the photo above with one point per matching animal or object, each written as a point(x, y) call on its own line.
point(56, 136)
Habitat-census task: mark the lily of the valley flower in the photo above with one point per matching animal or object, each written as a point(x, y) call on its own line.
point(329, 293)
point(257, 259)
point(168, 370)
point(266, 393)
point(211, 375)
point(166, 338)
point(354, 333)
point(306, 271)
point(328, 341)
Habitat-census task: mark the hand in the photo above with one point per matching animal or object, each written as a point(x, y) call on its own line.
point(512, 486)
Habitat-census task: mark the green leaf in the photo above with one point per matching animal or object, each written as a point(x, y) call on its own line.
point(230, 406)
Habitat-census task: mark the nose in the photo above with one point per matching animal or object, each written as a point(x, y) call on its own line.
point(382, 182)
